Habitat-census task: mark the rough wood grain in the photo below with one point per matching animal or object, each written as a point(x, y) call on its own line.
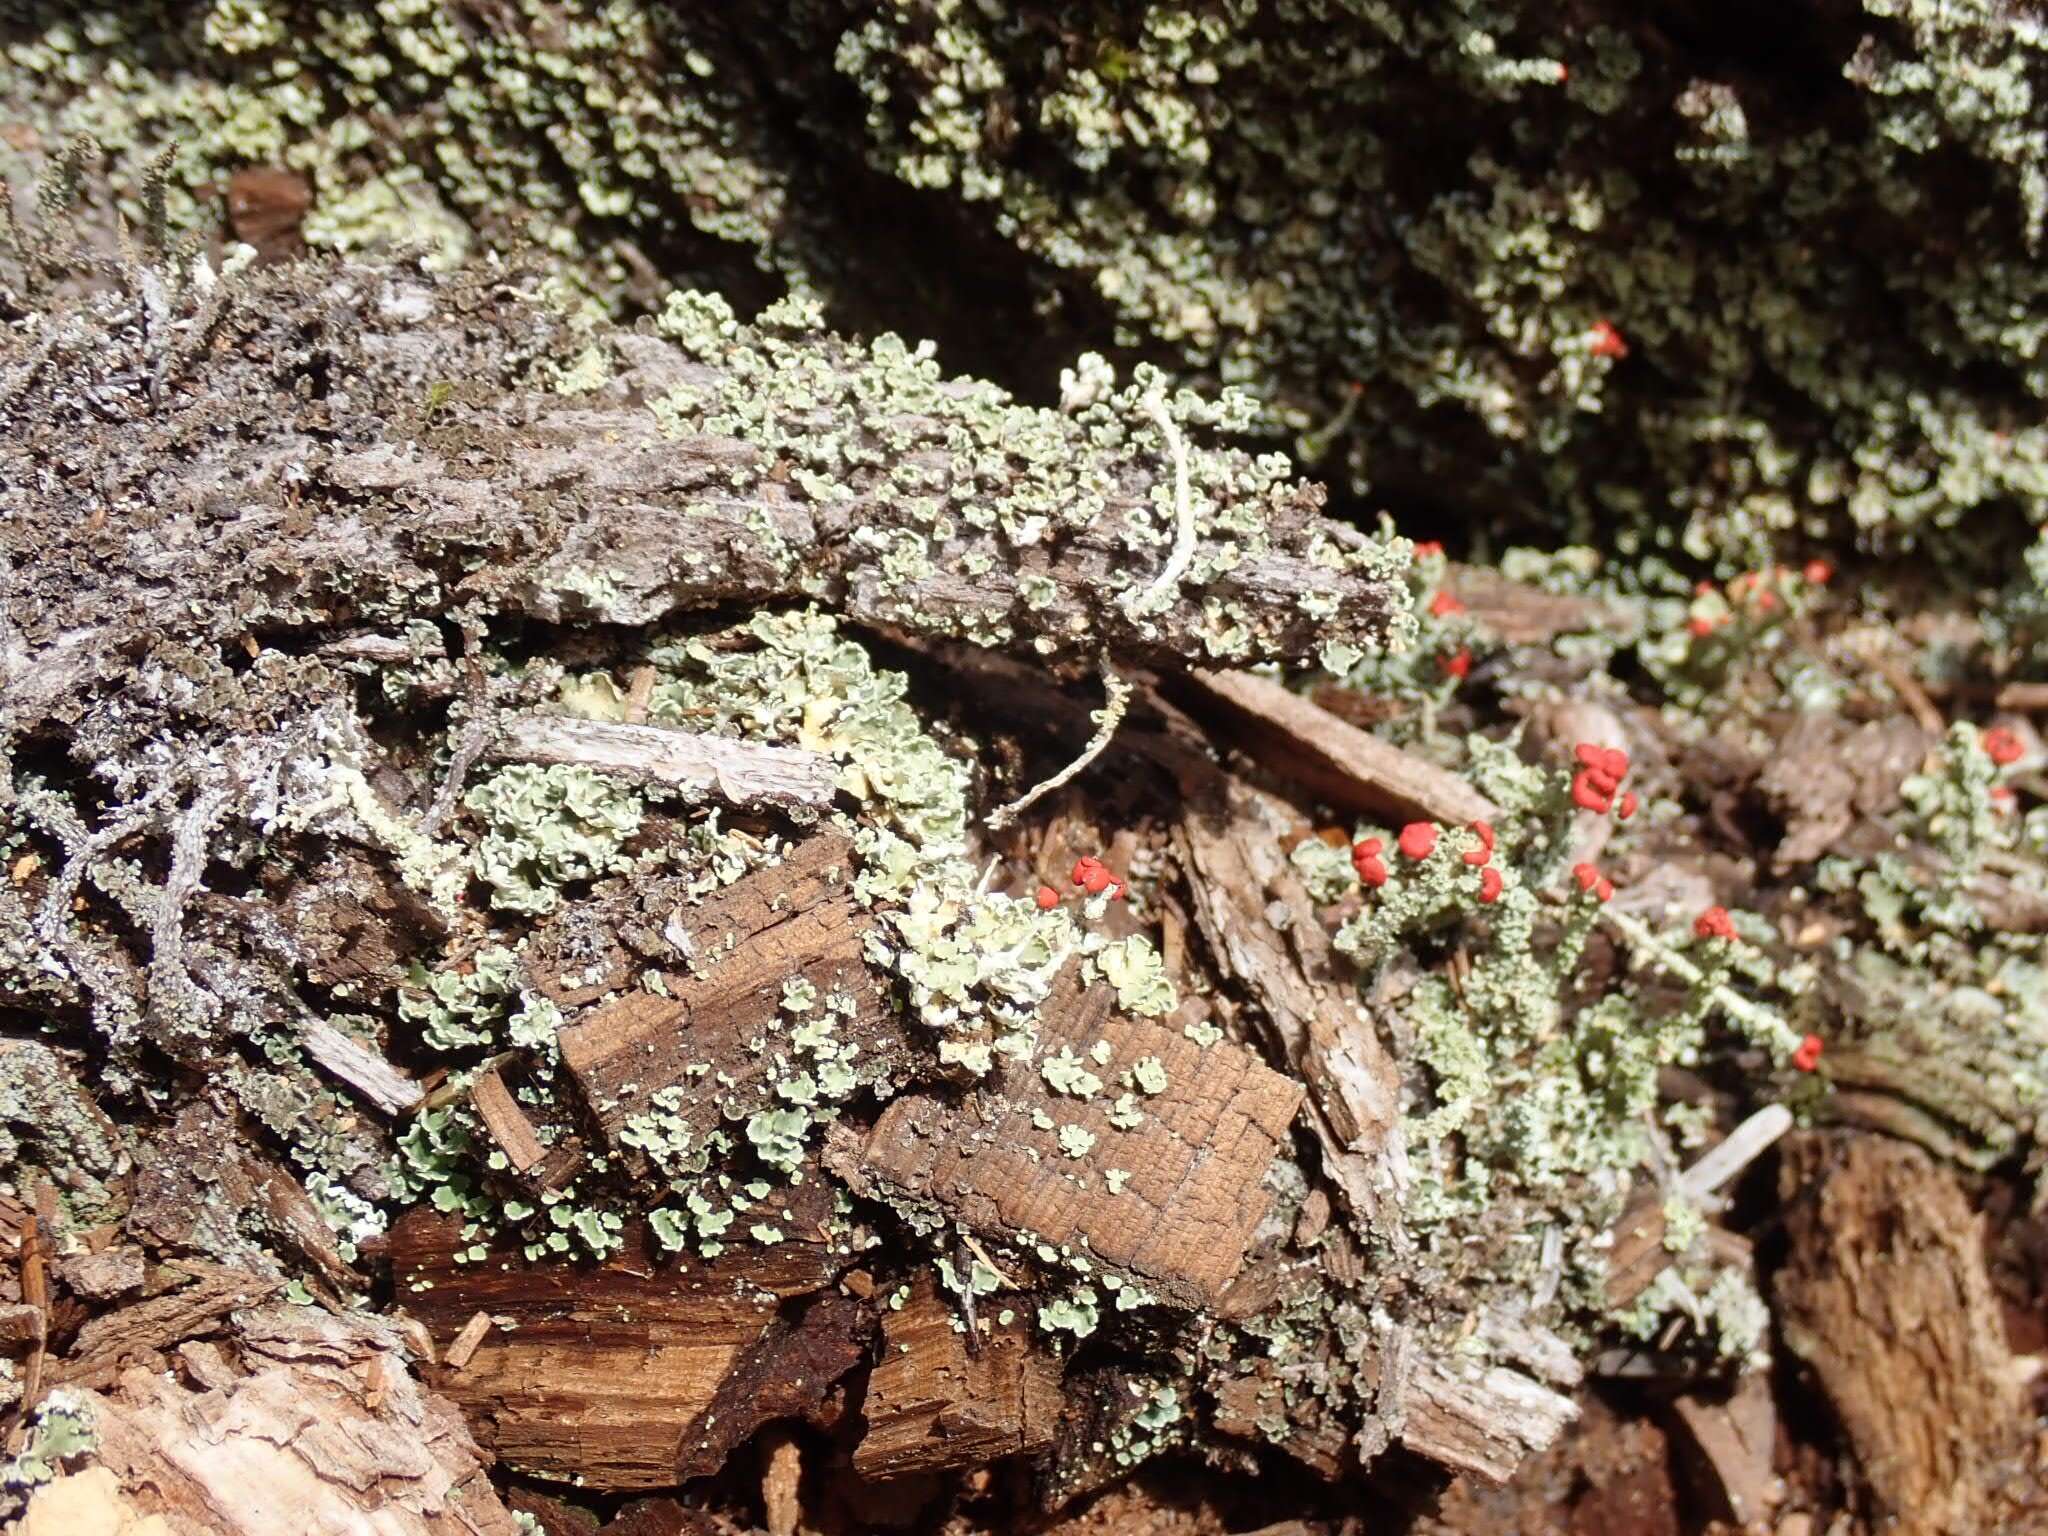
point(1230, 844)
point(742, 945)
point(1195, 1163)
point(599, 1368)
point(296, 1445)
point(787, 1373)
point(507, 1123)
point(931, 1405)
point(112, 1339)
point(743, 774)
point(1885, 1296)
point(375, 1078)
point(1297, 739)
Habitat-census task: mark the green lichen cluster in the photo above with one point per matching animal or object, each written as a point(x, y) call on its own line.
point(1630, 285)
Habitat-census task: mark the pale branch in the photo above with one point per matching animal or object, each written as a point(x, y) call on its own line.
point(741, 774)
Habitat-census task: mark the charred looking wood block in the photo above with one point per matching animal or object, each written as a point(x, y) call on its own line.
point(1195, 1161)
point(796, 918)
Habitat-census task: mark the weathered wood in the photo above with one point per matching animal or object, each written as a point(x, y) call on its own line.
point(1885, 1295)
point(506, 1123)
point(1486, 1422)
point(747, 775)
point(793, 919)
point(1231, 845)
point(1297, 739)
point(931, 1405)
point(598, 1368)
point(360, 1067)
point(1179, 1223)
point(106, 1343)
point(296, 1444)
point(787, 1373)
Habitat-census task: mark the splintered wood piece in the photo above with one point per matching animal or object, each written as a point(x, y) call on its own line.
point(507, 1123)
point(743, 774)
point(787, 1373)
point(360, 1067)
point(1231, 847)
point(1487, 1422)
point(1191, 1196)
point(792, 919)
point(597, 1369)
point(111, 1339)
point(1736, 1435)
point(297, 1444)
point(1299, 740)
point(1885, 1295)
point(462, 1348)
point(931, 1405)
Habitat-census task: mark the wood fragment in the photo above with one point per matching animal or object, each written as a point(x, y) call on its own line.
point(1297, 739)
point(21, 1323)
point(787, 1373)
point(599, 1368)
point(782, 1467)
point(1486, 1422)
point(1196, 1161)
point(1884, 1294)
point(295, 1445)
point(506, 1122)
point(206, 1366)
point(376, 1079)
point(1735, 1435)
point(462, 1348)
point(103, 1276)
point(111, 1339)
point(743, 774)
point(931, 1406)
point(796, 918)
point(1230, 844)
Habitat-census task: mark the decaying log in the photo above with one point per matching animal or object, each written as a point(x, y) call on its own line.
point(744, 774)
point(931, 1405)
point(1296, 738)
point(1231, 846)
point(598, 1369)
point(1179, 1222)
point(1886, 1297)
point(796, 918)
point(296, 1443)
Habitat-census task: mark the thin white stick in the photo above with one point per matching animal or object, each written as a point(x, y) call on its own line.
point(1107, 719)
point(1159, 594)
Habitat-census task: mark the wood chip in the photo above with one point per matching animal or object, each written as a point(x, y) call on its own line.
point(506, 1122)
point(1238, 872)
point(789, 920)
point(363, 1069)
point(1299, 740)
point(1195, 1162)
point(600, 1367)
point(743, 774)
point(931, 1405)
point(462, 1349)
